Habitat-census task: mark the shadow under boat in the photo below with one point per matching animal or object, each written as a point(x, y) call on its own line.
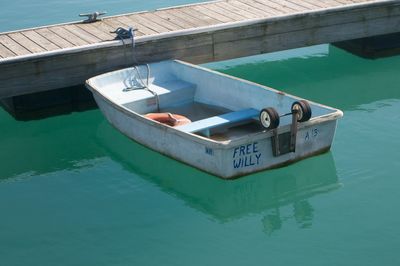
point(225, 200)
point(47, 145)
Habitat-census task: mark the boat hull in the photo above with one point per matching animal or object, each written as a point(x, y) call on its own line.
point(228, 160)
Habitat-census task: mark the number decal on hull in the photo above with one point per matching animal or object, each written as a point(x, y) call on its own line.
point(311, 134)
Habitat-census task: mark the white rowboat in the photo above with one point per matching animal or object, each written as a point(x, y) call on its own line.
point(225, 136)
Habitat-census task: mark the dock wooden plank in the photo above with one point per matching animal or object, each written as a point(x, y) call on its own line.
point(104, 27)
point(277, 10)
point(349, 2)
point(149, 24)
point(209, 12)
point(238, 11)
point(337, 2)
point(196, 18)
point(131, 21)
point(67, 35)
point(54, 38)
point(114, 23)
point(13, 46)
point(263, 6)
point(205, 13)
point(279, 7)
point(296, 5)
point(316, 4)
point(25, 42)
point(332, 3)
point(167, 23)
point(119, 21)
point(266, 11)
point(190, 20)
point(175, 19)
point(209, 20)
point(346, 2)
point(103, 35)
point(310, 6)
point(5, 52)
point(157, 21)
point(40, 40)
point(216, 8)
point(258, 13)
point(321, 4)
point(84, 35)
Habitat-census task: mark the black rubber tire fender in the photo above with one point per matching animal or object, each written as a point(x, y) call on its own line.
point(303, 109)
point(269, 118)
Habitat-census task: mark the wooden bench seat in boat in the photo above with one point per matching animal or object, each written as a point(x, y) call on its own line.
point(203, 126)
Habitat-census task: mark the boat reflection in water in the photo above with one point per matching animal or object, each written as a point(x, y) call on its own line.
point(224, 200)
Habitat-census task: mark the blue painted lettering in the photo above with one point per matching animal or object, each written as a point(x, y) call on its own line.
point(246, 155)
point(248, 148)
point(258, 157)
point(255, 150)
point(235, 151)
point(311, 134)
point(307, 136)
point(237, 163)
point(245, 161)
point(315, 132)
point(242, 148)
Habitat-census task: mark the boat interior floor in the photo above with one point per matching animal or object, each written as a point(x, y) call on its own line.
point(197, 111)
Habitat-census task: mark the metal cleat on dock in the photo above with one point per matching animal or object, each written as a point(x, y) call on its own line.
point(92, 17)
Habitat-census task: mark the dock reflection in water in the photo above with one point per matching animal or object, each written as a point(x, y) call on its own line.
point(261, 193)
point(47, 145)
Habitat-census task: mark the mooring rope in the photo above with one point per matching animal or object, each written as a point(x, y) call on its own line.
point(123, 34)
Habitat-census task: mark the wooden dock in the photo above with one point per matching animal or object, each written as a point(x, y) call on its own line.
point(51, 57)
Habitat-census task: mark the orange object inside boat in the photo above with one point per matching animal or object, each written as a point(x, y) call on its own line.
point(169, 119)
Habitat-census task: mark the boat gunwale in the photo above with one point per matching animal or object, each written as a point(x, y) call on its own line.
point(225, 144)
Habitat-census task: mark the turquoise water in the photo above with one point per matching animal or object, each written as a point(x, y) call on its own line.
point(74, 191)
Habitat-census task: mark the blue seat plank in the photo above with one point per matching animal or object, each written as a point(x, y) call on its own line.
point(219, 120)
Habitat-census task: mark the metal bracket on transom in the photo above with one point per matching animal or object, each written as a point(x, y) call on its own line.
point(285, 142)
